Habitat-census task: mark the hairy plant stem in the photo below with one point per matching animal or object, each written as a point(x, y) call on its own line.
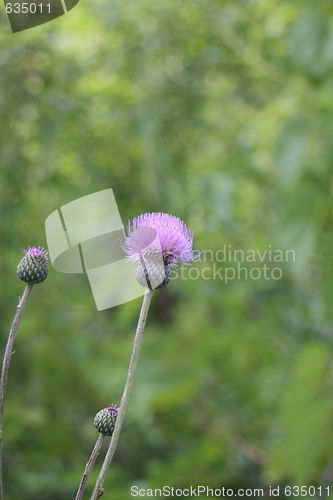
point(5, 367)
point(98, 490)
point(89, 466)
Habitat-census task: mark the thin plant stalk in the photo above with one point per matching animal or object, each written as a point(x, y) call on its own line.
point(5, 366)
point(98, 490)
point(89, 466)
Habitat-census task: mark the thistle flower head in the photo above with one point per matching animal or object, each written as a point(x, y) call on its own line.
point(174, 244)
point(175, 238)
point(37, 251)
point(105, 419)
point(33, 266)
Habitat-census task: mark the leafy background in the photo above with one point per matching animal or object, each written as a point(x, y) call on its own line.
point(219, 112)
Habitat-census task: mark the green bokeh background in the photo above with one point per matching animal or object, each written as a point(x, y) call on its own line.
point(218, 112)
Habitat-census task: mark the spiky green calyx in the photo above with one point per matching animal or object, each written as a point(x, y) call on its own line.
point(152, 271)
point(33, 266)
point(105, 420)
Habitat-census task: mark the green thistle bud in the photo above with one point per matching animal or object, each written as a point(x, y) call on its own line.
point(105, 420)
point(33, 267)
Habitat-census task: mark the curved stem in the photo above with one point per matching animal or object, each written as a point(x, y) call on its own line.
point(89, 466)
point(98, 490)
point(5, 366)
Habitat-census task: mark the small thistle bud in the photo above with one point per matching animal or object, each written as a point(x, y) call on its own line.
point(105, 419)
point(151, 271)
point(33, 267)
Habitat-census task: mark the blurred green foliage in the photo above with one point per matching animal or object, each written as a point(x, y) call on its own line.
point(219, 112)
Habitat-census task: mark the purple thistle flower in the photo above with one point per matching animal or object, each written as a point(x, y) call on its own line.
point(175, 238)
point(113, 409)
point(37, 251)
point(159, 241)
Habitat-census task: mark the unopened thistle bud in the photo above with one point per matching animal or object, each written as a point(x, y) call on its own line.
point(33, 267)
point(105, 419)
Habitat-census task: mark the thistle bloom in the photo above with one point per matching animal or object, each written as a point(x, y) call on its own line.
point(36, 251)
point(174, 245)
point(33, 266)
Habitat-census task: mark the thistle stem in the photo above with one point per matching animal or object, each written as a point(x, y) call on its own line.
point(98, 490)
point(5, 366)
point(89, 467)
